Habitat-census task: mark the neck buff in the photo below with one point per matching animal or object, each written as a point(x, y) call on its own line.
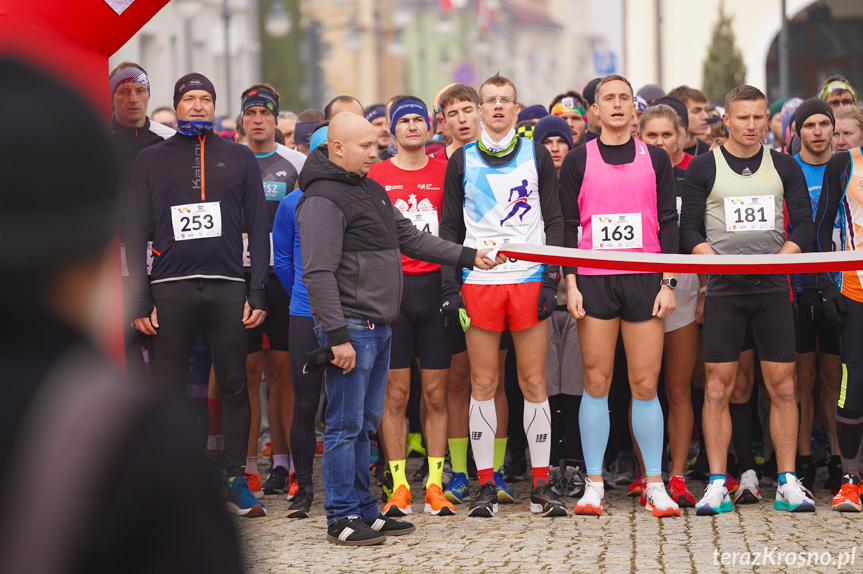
point(262, 98)
point(193, 128)
point(405, 107)
point(130, 75)
point(497, 149)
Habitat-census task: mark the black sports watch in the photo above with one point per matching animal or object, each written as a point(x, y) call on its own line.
point(670, 282)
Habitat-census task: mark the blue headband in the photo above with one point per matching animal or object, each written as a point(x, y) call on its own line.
point(319, 137)
point(404, 108)
point(376, 112)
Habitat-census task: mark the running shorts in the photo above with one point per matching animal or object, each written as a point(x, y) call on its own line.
point(769, 316)
point(419, 329)
point(630, 297)
point(276, 322)
point(686, 300)
point(496, 307)
point(816, 331)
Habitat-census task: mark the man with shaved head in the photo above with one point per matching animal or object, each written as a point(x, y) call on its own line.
point(351, 236)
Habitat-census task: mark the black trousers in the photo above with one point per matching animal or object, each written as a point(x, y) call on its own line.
point(307, 396)
point(217, 306)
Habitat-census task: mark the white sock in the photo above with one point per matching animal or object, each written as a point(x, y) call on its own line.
point(214, 442)
point(483, 425)
point(251, 464)
point(281, 460)
point(291, 462)
point(537, 429)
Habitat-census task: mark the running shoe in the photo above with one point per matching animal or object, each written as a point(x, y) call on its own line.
point(415, 445)
point(319, 448)
point(758, 452)
point(436, 503)
point(517, 467)
point(714, 501)
point(485, 503)
point(574, 482)
point(504, 493)
point(457, 490)
point(731, 483)
point(591, 503)
point(659, 502)
point(293, 486)
point(400, 503)
point(848, 497)
point(555, 478)
point(387, 486)
point(544, 501)
point(806, 472)
point(267, 450)
point(747, 492)
point(793, 497)
point(624, 468)
point(240, 501)
point(276, 482)
point(390, 527)
point(679, 493)
point(422, 473)
point(352, 531)
point(636, 486)
point(834, 475)
point(820, 454)
point(302, 504)
point(254, 480)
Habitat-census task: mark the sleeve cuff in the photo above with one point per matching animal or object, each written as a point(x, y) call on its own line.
point(339, 336)
point(258, 300)
point(467, 257)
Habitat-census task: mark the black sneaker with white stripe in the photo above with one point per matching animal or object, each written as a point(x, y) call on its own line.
point(352, 531)
point(390, 527)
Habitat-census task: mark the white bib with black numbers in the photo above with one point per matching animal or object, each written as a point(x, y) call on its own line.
point(617, 231)
point(196, 220)
point(750, 213)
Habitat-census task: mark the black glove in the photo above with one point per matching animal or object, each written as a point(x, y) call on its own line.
point(744, 280)
point(450, 301)
point(834, 305)
point(547, 301)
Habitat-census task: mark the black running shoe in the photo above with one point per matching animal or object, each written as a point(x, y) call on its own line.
point(387, 486)
point(352, 531)
point(544, 501)
point(485, 502)
point(517, 467)
point(277, 481)
point(806, 474)
point(302, 504)
point(834, 475)
point(390, 527)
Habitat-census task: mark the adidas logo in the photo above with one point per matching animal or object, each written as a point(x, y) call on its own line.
point(476, 435)
point(220, 164)
point(542, 437)
point(345, 533)
point(746, 171)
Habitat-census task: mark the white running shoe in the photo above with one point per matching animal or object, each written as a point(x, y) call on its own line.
point(591, 502)
point(793, 497)
point(659, 502)
point(747, 492)
point(715, 500)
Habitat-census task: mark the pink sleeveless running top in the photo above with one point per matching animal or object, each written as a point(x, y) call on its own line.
point(612, 191)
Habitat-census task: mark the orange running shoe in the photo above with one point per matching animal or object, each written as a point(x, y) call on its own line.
point(293, 486)
point(731, 483)
point(400, 503)
point(254, 479)
point(635, 487)
point(267, 450)
point(848, 498)
point(436, 502)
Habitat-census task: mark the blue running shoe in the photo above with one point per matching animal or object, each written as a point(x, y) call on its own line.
point(241, 501)
point(457, 490)
point(504, 494)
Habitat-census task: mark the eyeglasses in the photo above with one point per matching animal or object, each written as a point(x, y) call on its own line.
point(843, 102)
point(501, 99)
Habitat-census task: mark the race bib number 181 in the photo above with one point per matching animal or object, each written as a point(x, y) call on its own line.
point(750, 213)
point(196, 220)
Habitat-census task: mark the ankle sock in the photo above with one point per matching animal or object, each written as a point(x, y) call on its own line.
point(499, 453)
point(281, 460)
point(458, 454)
point(435, 471)
point(397, 468)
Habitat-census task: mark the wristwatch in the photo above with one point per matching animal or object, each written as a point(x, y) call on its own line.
point(670, 282)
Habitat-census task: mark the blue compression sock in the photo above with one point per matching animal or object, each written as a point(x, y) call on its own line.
point(594, 423)
point(715, 477)
point(647, 426)
point(783, 476)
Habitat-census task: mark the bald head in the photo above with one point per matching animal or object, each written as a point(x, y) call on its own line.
point(352, 142)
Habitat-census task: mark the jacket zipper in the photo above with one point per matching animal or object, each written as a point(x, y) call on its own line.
point(203, 139)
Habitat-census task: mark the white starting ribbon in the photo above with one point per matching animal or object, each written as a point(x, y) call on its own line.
point(676, 263)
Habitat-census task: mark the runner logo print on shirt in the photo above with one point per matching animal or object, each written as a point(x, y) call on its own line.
point(196, 220)
point(422, 214)
point(750, 213)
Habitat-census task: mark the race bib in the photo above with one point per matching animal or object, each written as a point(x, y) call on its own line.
point(750, 213)
point(617, 231)
point(424, 221)
point(247, 259)
point(196, 220)
point(124, 268)
point(837, 240)
point(496, 244)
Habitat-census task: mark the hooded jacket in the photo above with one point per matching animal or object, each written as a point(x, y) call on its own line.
point(351, 236)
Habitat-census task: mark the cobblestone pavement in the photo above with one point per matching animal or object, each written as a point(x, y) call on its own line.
point(626, 538)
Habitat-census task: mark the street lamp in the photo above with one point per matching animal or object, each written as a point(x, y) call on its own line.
point(278, 22)
point(188, 9)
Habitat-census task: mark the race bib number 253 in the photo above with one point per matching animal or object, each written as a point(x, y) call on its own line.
point(196, 220)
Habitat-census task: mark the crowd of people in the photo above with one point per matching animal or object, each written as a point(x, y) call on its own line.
point(353, 255)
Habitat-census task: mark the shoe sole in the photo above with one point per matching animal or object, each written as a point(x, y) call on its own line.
point(746, 496)
point(588, 510)
point(449, 495)
point(847, 506)
point(802, 507)
point(298, 513)
point(272, 491)
point(505, 497)
point(370, 542)
point(683, 502)
point(708, 510)
point(483, 510)
point(443, 511)
point(551, 512)
point(253, 512)
point(667, 513)
point(394, 511)
point(400, 531)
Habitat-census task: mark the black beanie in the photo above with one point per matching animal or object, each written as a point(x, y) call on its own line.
point(811, 107)
point(677, 106)
point(70, 211)
point(193, 81)
point(589, 91)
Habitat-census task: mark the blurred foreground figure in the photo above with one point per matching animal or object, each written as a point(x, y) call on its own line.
point(103, 455)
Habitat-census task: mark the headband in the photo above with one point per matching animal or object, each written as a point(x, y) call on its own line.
point(319, 137)
point(838, 85)
point(130, 75)
point(376, 112)
point(260, 98)
point(406, 107)
point(567, 105)
point(640, 104)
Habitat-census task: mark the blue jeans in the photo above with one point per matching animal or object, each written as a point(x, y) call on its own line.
point(354, 410)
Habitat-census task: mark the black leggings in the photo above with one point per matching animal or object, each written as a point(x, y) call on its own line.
point(307, 396)
point(217, 306)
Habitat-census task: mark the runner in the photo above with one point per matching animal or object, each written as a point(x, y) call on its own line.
point(376, 115)
point(594, 123)
point(621, 191)
point(695, 102)
point(737, 193)
point(571, 107)
point(661, 126)
point(838, 92)
point(849, 128)
point(191, 190)
point(483, 181)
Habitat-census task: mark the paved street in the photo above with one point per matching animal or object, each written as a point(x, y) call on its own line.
point(626, 538)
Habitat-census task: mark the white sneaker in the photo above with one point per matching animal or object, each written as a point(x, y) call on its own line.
point(591, 502)
point(747, 492)
point(715, 500)
point(793, 497)
point(659, 502)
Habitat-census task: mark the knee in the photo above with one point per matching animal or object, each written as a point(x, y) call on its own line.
point(783, 391)
point(435, 400)
point(679, 396)
point(643, 389)
point(483, 388)
point(396, 400)
point(716, 393)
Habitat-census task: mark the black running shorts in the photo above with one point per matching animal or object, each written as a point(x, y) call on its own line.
point(630, 297)
point(769, 317)
point(419, 331)
point(276, 322)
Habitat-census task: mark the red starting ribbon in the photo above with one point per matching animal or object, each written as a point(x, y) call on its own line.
point(667, 263)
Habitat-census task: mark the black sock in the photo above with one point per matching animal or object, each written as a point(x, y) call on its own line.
point(555, 404)
point(741, 435)
point(849, 433)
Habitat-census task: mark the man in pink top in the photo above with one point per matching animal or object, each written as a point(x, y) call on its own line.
point(621, 191)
